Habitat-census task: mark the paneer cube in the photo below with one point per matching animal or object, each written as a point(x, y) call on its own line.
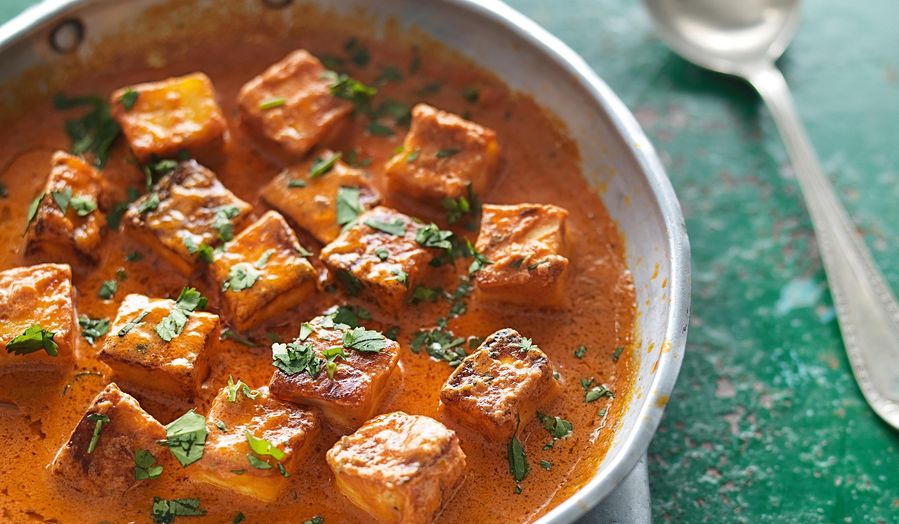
point(290, 104)
point(166, 118)
point(379, 257)
point(226, 459)
point(444, 157)
point(188, 210)
point(399, 467)
point(349, 388)
point(528, 247)
point(263, 272)
point(142, 360)
point(43, 296)
point(321, 203)
point(98, 460)
point(68, 226)
point(499, 386)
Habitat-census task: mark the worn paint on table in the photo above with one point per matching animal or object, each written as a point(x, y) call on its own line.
point(766, 423)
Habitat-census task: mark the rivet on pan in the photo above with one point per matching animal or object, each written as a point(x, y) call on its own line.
point(67, 35)
point(277, 4)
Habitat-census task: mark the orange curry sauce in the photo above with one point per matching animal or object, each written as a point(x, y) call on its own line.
point(540, 164)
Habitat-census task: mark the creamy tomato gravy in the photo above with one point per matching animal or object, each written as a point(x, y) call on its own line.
point(540, 164)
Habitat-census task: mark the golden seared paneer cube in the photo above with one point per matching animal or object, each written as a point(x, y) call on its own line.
point(527, 245)
point(499, 386)
point(379, 257)
point(399, 467)
point(254, 442)
point(37, 316)
point(67, 225)
point(113, 440)
point(153, 349)
point(291, 106)
point(444, 156)
point(167, 118)
point(186, 214)
point(344, 371)
point(321, 195)
point(263, 272)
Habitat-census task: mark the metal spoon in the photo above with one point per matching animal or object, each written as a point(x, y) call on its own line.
point(743, 38)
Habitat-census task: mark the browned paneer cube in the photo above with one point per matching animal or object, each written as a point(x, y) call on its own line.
point(188, 212)
point(499, 386)
point(444, 157)
point(321, 195)
point(166, 118)
point(263, 272)
point(254, 441)
point(290, 104)
point(379, 257)
point(527, 245)
point(343, 371)
point(98, 460)
point(37, 316)
point(399, 467)
point(67, 225)
point(142, 359)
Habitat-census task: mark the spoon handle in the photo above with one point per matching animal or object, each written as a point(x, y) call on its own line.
point(866, 309)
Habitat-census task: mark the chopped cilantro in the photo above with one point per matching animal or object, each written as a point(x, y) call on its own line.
point(230, 334)
point(128, 98)
point(347, 88)
point(518, 461)
point(594, 392)
point(293, 358)
point(148, 203)
point(92, 329)
point(392, 333)
point(32, 210)
point(33, 339)
point(348, 315)
point(440, 344)
point(471, 94)
point(257, 462)
point(364, 340)
point(83, 205)
point(186, 437)
point(382, 254)
point(352, 284)
point(479, 262)
point(271, 103)
point(389, 74)
point(93, 132)
point(321, 166)
point(62, 198)
point(401, 276)
point(239, 387)
point(555, 426)
point(263, 447)
point(348, 206)
point(99, 421)
point(145, 466)
point(238, 518)
point(396, 227)
point(173, 324)
point(107, 289)
point(165, 511)
point(617, 354)
point(204, 253)
point(546, 465)
point(580, 351)
point(264, 258)
point(296, 182)
point(156, 169)
point(241, 276)
point(132, 323)
point(222, 222)
point(379, 129)
point(432, 236)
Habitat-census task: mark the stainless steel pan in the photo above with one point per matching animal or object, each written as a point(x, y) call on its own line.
point(60, 36)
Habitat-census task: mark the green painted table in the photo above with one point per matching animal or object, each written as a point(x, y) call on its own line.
point(766, 423)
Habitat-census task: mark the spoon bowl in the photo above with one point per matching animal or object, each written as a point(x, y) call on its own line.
point(728, 37)
point(745, 38)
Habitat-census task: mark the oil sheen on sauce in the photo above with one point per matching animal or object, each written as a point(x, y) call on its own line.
point(39, 409)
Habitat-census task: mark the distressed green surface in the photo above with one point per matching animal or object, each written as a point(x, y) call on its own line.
point(766, 424)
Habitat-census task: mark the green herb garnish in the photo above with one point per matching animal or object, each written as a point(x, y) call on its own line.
point(95, 131)
point(92, 329)
point(293, 358)
point(241, 276)
point(128, 98)
point(271, 103)
point(145, 466)
point(32, 210)
point(99, 421)
point(132, 323)
point(348, 206)
point(233, 389)
point(33, 339)
point(173, 324)
point(396, 227)
point(165, 511)
point(186, 437)
point(321, 166)
point(108, 289)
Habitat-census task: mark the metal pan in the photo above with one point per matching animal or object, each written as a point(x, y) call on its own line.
point(62, 35)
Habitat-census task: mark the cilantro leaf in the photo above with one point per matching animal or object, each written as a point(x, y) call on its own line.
point(165, 511)
point(239, 387)
point(33, 339)
point(432, 236)
point(293, 358)
point(555, 426)
point(83, 205)
point(99, 421)
point(145, 466)
point(128, 99)
point(518, 461)
point(108, 289)
point(222, 222)
point(173, 324)
point(241, 276)
point(396, 227)
point(441, 344)
point(347, 204)
point(263, 447)
point(32, 210)
point(93, 132)
point(92, 329)
point(186, 437)
point(321, 166)
point(364, 340)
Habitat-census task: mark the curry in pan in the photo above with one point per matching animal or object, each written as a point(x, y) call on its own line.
point(336, 281)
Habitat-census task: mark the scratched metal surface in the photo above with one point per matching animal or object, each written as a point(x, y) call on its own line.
point(766, 424)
